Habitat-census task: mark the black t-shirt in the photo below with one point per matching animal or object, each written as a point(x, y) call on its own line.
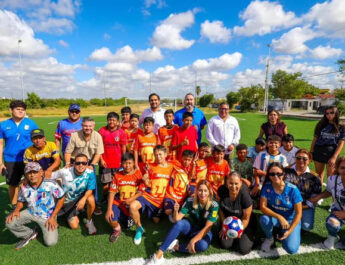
point(234, 208)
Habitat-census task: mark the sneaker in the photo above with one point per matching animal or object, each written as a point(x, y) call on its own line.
point(115, 236)
point(22, 243)
point(138, 235)
point(130, 222)
point(172, 245)
point(330, 242)
point(97, 211)
point(154, 261)
point(90, 227)
point(266, 245)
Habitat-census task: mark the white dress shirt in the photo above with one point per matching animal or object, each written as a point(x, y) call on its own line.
point(224, 132)
point(158, 116)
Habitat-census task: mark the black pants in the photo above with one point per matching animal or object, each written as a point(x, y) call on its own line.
point(243, 245)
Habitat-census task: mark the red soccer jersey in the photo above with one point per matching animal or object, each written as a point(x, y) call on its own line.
point(165, 136)
point(125, 186)
point(113, 142)
point(216, 173)
point(178, 185)
point(125, 125)
point(145, 144)
point(131, 136)
point(181, 134)
point(159, 177)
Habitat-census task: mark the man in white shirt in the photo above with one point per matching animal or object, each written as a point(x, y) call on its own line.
point(155, 111)
point(224, 129)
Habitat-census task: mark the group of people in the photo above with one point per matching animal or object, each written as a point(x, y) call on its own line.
point(156, 164)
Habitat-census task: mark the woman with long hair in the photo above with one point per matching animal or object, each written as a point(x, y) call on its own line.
point(329, 137)
point(273, 126)
point(235, 201)
point(281, 205)
point(336, 189)
point(194, 220)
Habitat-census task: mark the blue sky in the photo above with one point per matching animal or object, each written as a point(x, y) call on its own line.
point(74, 48)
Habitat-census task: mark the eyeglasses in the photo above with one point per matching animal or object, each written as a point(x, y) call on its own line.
point(330, 113)
point(275, 174)
point(74, 111)
point(224, 109)
point(301, 158)
point(81, 163)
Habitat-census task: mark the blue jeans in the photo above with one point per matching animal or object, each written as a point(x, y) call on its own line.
point(333, 225)
point(291, 243)
point(307, 221)
point(185, 228)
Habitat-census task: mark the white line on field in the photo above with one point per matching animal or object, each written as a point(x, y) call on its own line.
point(232, 256)
point(2, 183)
point(53, 122)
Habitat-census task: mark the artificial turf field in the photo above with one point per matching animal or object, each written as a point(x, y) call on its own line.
point(76, 247)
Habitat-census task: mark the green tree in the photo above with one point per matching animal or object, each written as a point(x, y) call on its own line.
point(33, 101)
point(205, 100)
point(341, 65)
point(339, 94)
point(288, 86)
point(251, 97)
point(198, 90)
point(232, 98)
point(312, 90)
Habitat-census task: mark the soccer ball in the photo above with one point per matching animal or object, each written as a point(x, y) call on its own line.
point(233, 227)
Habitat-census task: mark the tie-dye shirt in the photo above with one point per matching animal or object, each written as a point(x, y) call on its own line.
point(41, 199)
point(73, 185)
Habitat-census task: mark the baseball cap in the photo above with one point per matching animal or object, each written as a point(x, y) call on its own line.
point(32, 166)
point(74, 107)
point(37, 132)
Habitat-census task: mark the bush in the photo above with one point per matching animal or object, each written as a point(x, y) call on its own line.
point(341, 107)
point(205, 100)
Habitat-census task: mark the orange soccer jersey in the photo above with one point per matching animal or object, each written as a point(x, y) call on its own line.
point(144, 144)
point(159, 177)
point(178, 185)
point(216, 173)
point(165, 136)
point(131, 136)
point(125, 186)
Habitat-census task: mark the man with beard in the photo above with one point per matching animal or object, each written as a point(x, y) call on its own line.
point(155, 111)
point(199, 119)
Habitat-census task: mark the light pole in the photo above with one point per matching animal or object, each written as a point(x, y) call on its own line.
point(21, 68)
point(266, 79)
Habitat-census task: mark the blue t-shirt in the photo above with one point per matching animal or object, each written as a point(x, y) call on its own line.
point(283, 203)
point(198, 119)
point(252, 153)
point(64, 130)
point(73, 185)
point(17, 138)
point(327, 138)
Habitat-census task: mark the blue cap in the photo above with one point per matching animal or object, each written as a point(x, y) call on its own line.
point(74, 107)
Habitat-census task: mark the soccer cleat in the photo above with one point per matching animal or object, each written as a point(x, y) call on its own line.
point(172, 245)
point(330, 242)
point(154, 261)
point(90, 227)
point(266, 245)
point(22, 243)
point(115, 236)
point(138, 235)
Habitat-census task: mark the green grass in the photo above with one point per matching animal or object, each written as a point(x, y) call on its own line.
point(77, 247)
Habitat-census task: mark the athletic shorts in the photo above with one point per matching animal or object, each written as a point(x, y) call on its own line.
point(322, 153)
point(69, 209)
point(107, 174)
point(15, 172)
point(119, 214)
point(152, 211)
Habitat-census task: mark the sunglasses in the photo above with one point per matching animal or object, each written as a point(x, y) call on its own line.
point(330, 113)
point(301, 158)
point(342, 168)
point(74, 111)
point(274, 174)
point(81, 163)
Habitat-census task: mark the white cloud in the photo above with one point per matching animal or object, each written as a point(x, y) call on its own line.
point(13, 29)
point(168, 33)
point(215, 31)
point(106, 36)
point(158, 3)
point(57, 26)
point(64, 8)
point(126, 54)
point(248, 77)
point(263, 17)
point(63, 43)
point(222, 63)
point(293, 41)
point(325, 52)
point(329, 17)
